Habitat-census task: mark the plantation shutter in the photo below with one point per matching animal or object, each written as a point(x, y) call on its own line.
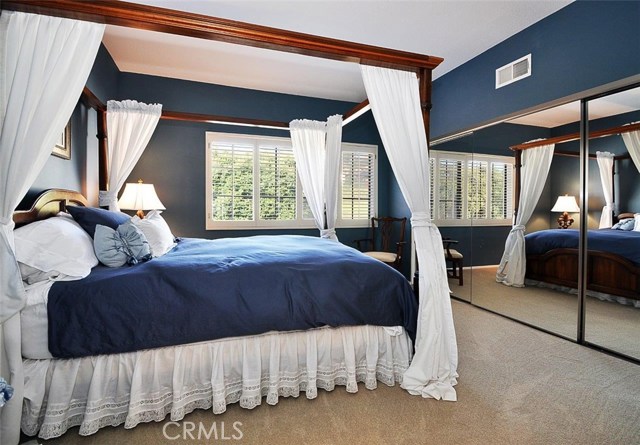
point(477, 189)
point(232, 182)
point(277, 183)
point(432, 188)
point(501, 190)
point(450, 193)
point(357, 185)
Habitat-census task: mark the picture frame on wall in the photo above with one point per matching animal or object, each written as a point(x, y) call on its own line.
point(62, 148)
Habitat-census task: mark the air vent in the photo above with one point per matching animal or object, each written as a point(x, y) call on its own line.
point(514, 71)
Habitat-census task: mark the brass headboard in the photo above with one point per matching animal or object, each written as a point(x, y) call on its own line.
point(624, 216)
point(49, 203)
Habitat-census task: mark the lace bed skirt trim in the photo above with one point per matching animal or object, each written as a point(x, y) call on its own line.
point(144, 386)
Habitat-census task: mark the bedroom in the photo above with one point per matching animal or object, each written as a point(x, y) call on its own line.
point(178, 186)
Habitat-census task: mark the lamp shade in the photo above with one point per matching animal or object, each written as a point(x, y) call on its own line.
point(566, 204)
point(139, 196)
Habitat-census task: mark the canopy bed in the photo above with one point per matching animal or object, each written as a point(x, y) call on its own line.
point(398, 86)
point(552, 256)
point(237, 342)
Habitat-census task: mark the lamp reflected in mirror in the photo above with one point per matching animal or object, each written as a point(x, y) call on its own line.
point(140, 197)
point(565, 204)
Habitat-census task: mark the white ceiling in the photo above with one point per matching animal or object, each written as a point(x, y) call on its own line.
point(455, 30)
point(614, 104)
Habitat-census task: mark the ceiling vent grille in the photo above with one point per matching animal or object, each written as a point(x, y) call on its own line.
point(514, 71)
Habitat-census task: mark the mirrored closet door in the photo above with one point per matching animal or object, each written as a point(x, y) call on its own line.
point(516, 178)
point(612, 302)
point(586, 193)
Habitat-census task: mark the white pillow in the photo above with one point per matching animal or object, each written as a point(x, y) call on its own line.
point(157, 232)
point(56, 245)
point(636, 227)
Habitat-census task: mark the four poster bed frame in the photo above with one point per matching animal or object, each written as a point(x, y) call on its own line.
point(205, 27)
point(170, 21)
point(606, 272)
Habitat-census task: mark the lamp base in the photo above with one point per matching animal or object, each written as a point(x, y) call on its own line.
point(140, 214)
point(564, 221)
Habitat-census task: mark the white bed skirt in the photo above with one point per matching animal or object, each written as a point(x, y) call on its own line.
point(109, 390)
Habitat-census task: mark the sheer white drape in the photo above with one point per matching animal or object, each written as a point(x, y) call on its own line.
point(395, 103)
point(130, 125)
point(332, 173)
point(632, 141)
point(605, 164)
point(535, 169)
point(316, 149)
point(44, 64)
point(308, 139)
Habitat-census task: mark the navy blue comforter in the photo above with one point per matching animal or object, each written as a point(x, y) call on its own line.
point(209, 289)
point(621, 242)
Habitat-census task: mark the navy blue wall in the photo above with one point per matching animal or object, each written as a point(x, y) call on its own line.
point(584, 45)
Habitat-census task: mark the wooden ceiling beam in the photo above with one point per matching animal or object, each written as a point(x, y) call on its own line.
point(230, 31)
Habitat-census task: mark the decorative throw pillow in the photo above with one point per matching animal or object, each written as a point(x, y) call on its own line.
point(157, 232)
point(57, 246)
point(624, 224)
point(124, 245)
point(89, 217)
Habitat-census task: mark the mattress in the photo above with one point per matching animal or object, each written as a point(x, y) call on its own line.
point(34, 324)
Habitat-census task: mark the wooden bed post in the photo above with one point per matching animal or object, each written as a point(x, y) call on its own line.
point(424, 77)
point(103, 154)
point(92, 101)
point(518, 166)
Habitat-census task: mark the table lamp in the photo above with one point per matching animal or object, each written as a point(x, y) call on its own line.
point(140, 197)
point(565, 204)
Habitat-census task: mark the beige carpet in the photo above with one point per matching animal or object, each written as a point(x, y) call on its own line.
point(609, 324)
point(517, 386)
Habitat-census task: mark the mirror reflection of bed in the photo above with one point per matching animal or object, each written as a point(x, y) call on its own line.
point(549, 299)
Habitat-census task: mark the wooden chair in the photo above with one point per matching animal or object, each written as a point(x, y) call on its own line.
point(380, 244)
point(455, 259)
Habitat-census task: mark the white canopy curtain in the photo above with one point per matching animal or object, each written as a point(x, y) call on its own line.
point(395, 103)
point(605, 164)
point(332, 173)
point(130, 125)
point(535, 169)
point(44, 64)
point(316, 149)
point(632, 141)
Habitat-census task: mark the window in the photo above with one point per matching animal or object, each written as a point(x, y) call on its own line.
point(253, 183)
point(356, 198)
point(471, 189)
